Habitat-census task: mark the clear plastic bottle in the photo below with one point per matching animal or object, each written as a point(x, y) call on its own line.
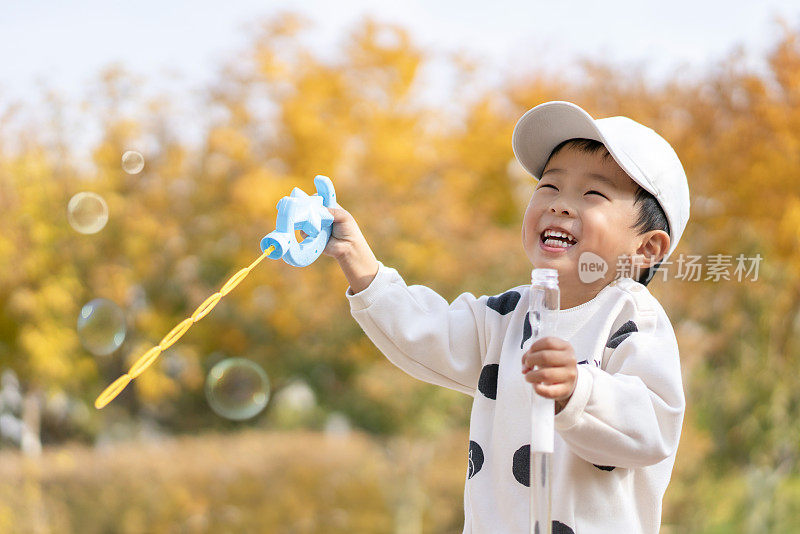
point(545, 300)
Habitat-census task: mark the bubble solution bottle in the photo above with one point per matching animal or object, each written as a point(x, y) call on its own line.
point(545, 300)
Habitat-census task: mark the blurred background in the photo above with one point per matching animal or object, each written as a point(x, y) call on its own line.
point(144, 147)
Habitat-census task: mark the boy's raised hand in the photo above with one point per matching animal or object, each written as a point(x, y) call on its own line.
point(550, 365)
point(346, 237)
point(348, 246)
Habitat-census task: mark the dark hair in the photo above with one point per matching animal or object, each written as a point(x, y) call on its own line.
point(651, 214)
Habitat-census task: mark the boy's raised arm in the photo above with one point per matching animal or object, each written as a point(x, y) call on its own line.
point(413, 326)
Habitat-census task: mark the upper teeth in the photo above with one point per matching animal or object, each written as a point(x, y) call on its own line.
point(557, 233)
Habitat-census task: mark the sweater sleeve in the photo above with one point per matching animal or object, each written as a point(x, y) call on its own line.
point(628, 413)
point(418, 331)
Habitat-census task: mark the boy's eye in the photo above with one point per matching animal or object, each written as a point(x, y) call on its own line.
point(588, 192)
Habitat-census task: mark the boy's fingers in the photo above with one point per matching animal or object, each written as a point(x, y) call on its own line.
point(549, 375)
point(552, 391)
point(339, 214)
point(546, 358)
point(549, 342)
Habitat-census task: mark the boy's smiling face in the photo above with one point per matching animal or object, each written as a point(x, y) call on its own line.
point(590, 198)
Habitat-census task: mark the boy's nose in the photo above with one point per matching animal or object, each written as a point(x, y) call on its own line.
point(561, 209)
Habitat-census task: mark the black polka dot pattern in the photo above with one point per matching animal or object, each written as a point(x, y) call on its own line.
point(557, 528)
point(505, 303)
point(520, 465)
point(487, 383)
point(521, 468)
point(620, 335)
point(526, 330)
point(475, 461)
point(605, 467)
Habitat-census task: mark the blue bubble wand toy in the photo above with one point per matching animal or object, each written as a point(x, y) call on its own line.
point(298, 211)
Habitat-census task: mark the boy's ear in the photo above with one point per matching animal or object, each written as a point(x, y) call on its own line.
point(653, 246)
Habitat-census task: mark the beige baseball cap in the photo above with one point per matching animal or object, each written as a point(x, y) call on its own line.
point(646, 156)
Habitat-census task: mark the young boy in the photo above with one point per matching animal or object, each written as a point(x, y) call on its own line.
point(609, 190)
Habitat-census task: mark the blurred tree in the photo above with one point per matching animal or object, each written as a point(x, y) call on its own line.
point(438, 195)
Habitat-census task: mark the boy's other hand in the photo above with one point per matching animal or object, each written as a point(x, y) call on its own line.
point(550, 365)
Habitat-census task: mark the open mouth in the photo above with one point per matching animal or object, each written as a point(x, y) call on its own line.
point(557, 239)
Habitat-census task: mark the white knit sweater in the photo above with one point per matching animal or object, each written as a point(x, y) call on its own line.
point(616, 438)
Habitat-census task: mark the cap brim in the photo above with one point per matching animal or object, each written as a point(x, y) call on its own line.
point(543, 127)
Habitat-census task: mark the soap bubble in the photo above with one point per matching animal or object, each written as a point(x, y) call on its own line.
point(237, 388)
point(101, 327)
point(132, 162)
point(87, 212)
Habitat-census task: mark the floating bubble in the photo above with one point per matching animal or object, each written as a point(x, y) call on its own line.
point(101, 327)
point(87, 212)
point(132, 162)
point(237, 388)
